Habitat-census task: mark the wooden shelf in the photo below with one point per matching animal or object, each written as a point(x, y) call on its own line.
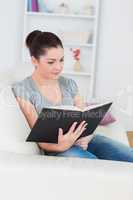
point(60, 15)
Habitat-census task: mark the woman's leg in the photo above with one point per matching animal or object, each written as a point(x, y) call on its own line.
point(109, 149)
point(74, 151)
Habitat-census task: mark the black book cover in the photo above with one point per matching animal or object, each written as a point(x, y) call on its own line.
point(51, 119)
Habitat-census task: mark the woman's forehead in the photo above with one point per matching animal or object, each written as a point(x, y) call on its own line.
point(53, 53)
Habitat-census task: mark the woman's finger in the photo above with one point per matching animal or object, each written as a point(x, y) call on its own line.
point(72, 128)
point(60, 133)
point(85, 147)
point(83, 143)
point(81, 126)
point(80, 132)
point(77, 143)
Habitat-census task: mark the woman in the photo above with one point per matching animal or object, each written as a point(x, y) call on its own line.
point(46, 87)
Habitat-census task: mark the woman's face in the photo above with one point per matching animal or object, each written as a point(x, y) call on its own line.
point(51, 64)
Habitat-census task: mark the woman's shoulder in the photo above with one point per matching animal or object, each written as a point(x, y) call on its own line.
point(25, 83)
point(22, 88)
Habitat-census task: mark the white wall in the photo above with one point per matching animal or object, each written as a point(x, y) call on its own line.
point(11, 26)
point(115, 52)
point(115, 55)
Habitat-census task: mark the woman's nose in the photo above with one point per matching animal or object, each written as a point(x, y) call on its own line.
point(58, 66)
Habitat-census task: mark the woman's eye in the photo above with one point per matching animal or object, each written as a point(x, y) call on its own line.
point(61, 60)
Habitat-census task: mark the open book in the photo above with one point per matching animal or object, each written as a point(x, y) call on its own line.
point(52, 118)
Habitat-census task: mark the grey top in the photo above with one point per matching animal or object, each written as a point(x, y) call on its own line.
point(28, 90)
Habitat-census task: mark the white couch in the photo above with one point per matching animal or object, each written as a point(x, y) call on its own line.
point(25, 174)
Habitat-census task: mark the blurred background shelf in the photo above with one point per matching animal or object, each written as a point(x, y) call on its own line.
point(60, 15)
point(77, 30)
point(76, 73)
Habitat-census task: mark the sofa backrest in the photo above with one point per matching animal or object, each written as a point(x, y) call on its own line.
point(14, 128)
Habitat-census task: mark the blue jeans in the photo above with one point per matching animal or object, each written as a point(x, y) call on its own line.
point(100, 147)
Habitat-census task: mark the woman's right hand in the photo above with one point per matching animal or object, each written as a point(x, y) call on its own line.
point(65, 141)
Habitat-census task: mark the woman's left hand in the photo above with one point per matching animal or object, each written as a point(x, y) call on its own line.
point(83, 142)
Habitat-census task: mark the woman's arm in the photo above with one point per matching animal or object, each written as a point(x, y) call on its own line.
point(31, 116)
point(65, 141)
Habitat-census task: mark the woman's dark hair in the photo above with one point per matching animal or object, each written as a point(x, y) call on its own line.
point(38, 41)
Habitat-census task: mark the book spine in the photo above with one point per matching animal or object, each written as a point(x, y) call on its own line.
point(29, 5)
point(42, 6)
point(34, 6)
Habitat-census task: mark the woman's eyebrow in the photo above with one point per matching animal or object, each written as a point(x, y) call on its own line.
point(51, 59)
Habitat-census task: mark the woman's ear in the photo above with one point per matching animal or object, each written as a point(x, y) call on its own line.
point(34, 61)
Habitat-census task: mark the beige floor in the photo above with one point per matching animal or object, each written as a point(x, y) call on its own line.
point(130, 137)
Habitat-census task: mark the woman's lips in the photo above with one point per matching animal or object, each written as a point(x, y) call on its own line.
point(56, 73)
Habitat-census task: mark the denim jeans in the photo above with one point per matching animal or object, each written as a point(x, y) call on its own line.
point(100, 147)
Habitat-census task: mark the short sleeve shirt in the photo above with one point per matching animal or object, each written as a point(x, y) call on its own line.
point(28, 90)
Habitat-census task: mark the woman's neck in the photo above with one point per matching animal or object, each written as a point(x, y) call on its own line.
point(41, 81)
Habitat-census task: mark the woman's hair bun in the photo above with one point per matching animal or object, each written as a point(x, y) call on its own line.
point(31, 37)
point(39, 41)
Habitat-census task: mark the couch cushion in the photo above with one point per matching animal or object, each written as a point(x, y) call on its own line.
point(14, 128)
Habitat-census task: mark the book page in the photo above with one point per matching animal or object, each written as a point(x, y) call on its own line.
point(95, 106)
point(65, 107)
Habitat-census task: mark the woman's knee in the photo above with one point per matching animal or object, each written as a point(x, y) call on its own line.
point(106, 148)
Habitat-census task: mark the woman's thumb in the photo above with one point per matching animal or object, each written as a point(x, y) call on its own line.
point(60, 132)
